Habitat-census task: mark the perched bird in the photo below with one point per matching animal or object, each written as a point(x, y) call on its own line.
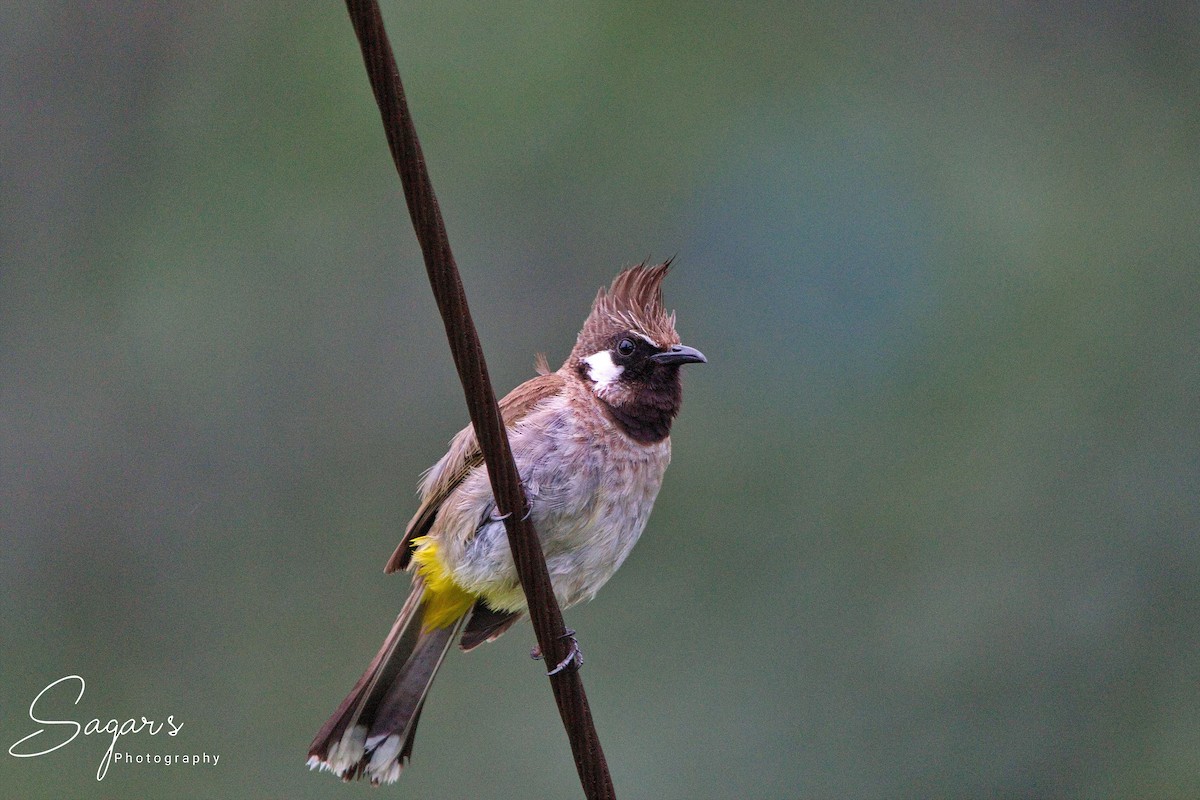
point(591, 443)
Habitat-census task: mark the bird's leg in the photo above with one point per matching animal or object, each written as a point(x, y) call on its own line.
point(574, 654)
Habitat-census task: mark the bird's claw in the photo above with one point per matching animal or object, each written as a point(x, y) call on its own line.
point(528, 507)
point(574, 654)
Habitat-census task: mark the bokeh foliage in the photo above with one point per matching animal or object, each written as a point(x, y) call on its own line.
point(931, 529)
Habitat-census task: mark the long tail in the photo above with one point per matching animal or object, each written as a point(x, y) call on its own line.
point(371, 733)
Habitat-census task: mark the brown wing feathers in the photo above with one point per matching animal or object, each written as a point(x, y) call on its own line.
point(464, 456)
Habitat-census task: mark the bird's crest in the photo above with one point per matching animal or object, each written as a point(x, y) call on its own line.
point(632, 303)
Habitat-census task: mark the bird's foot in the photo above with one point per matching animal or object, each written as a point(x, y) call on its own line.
point(574, 654)
point(528, 507)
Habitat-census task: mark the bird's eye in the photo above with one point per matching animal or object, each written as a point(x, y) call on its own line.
point(626, 347)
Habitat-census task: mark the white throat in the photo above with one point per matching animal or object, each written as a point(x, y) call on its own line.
point(601, 369)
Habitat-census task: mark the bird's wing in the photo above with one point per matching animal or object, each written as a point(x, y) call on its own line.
point(464, 456)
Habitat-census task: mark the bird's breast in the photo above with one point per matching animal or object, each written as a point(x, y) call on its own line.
point(592, 490)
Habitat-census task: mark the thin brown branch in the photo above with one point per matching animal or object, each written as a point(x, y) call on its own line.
point(481, 400)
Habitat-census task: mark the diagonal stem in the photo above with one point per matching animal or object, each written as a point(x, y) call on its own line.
point(446, 283)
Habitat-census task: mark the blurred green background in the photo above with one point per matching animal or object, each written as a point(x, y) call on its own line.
point(931, 528)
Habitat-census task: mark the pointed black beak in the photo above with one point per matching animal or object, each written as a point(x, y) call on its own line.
point(680, 354)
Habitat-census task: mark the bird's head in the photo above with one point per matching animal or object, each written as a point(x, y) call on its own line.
point(628, 353)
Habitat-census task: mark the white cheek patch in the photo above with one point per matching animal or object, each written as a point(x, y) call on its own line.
point(602, 370)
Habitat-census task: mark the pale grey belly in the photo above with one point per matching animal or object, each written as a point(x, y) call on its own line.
point(589, 508)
